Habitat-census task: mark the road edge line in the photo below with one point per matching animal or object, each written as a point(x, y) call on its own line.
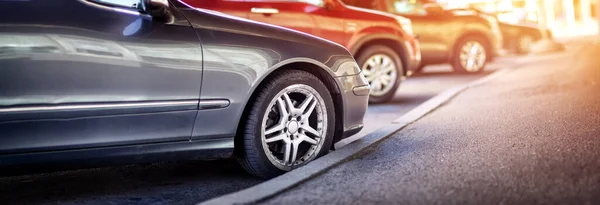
point(270, 188)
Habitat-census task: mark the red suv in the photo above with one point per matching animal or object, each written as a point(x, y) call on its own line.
point(383, 44)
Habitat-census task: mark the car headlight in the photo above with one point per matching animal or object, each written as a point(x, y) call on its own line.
point(406, 24)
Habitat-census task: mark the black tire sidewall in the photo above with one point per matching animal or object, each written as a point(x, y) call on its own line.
point(457, 66)
point(276, 84)
point(379, 49)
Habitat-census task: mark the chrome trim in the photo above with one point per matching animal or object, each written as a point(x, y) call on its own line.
point(126, 11)
point(117, 8)
point(264, 10)
point(206, 104)
point(97, 106)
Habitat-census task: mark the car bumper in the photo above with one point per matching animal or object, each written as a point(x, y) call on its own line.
point(355, 95)
point(413, 57)
point(497, 44)
point(412, 66)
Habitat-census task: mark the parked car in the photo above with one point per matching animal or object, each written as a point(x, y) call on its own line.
point(382, 44)
point(157, 80)
point(466, 40)
point(518, 36)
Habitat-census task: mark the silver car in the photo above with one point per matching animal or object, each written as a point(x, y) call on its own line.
point(142, 81)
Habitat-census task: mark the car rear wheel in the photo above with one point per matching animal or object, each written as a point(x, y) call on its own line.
point(382, 68)
point(470, 55)
point(290, 123)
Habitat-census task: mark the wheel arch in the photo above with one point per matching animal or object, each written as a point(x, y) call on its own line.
point(321, 71)
point(384, 40)
point(468, 34)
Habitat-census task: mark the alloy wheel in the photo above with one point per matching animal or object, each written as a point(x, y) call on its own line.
point(472, 56)
point(381, 73)
point(294, 126)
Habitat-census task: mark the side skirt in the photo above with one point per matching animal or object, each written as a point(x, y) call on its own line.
point(117, 155)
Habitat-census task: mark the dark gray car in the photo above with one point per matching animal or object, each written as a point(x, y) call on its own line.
point(97, 81)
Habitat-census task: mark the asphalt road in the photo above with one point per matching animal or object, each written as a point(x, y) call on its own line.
point(418, 89)
point(531, 136)
point(195, 181)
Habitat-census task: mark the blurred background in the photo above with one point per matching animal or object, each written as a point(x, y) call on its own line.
point(563, 17)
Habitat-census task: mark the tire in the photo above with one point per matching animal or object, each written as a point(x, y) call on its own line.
point(386, 93)
point(480, 58)
point(260, 157)
point(523, 44)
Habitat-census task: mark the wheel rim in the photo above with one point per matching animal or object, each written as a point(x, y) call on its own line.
point(472, 56)
point(294, 127)
point(381, 73)
point(525, 43)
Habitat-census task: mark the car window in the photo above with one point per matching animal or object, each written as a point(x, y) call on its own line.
point(410, 7)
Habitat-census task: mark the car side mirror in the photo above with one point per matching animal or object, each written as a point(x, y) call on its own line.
point(434, 9)
point(158, 9)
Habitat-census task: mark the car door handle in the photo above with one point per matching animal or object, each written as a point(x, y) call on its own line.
point(264, 10)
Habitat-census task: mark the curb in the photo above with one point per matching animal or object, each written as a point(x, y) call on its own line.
point(442, 98)
point(289, 180)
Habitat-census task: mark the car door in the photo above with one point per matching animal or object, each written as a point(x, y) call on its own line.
point(95, 73)
point(429, 27)
point(293, 14)
point(331, 20)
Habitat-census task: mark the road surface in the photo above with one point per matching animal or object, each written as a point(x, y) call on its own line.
point(531, 136)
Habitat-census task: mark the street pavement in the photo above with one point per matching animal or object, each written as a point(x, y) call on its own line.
point(190, 182)
point(420, 88)
point(531, 136)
